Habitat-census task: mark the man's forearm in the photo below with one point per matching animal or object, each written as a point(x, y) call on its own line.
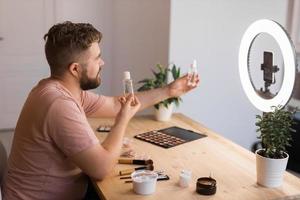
point(151, 97)
point(148, 98)
point(113, 142)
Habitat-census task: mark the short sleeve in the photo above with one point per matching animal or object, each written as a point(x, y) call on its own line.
point(68, 127)
point(91, 102)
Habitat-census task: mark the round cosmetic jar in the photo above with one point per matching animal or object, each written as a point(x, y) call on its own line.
point(144, 181)
point(206, 186)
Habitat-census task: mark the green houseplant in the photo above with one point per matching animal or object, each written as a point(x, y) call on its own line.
point(160, 80)
point(274, 130)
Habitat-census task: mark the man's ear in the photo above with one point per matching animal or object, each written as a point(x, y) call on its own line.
point(75, 69)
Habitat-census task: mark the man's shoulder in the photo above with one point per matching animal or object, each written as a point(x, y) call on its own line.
point(47, 88)
point(48, 91)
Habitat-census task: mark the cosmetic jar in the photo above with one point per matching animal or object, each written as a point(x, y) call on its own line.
point(185, 178)
point(206, 186)
point(144, 181)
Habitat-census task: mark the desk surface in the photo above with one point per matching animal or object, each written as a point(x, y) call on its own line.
point(231, 165)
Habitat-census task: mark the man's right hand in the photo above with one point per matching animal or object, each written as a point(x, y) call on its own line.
point(129, 107)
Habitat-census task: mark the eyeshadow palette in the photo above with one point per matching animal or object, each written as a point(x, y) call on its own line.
point(104, 128)
point(169, 137)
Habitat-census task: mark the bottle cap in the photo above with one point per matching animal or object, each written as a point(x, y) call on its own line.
point(186, 173)
point(194, 65)
point(126, 75)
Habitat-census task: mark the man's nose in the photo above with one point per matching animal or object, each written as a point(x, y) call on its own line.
point(102, 62)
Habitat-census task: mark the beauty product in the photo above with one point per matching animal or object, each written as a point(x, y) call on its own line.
point(169, 137)
point(206, 186)
point(185, 178)
point(192, 74)
point(127, 83)
point(104, 128)
point(129, 171)
point(127, 150)
point(144, 182)
point(136, 162)
point(161, 177)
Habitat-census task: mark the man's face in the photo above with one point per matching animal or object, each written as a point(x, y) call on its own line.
point(90, 75)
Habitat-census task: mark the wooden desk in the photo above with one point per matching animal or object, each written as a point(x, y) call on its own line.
point(231, 165)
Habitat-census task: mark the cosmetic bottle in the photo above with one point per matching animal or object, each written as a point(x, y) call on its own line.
point(192, 74)
point(127, 82)
point(185, 178)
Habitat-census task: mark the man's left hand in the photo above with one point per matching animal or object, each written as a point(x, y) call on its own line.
point(180, 86)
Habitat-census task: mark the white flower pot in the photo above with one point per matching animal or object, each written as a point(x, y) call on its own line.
point(269, 171)
point(164, 114)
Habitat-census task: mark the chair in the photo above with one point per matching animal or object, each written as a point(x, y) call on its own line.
point(3, 163)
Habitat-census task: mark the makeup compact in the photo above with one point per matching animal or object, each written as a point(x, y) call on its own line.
point(169, 137)
point(104, 128)
point(206, 186)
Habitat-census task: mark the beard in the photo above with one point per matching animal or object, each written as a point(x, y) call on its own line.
point(87, 83)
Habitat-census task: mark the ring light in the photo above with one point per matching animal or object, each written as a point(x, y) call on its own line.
point(279, 34)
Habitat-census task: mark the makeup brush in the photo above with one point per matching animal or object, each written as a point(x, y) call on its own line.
point(136, 162)
point(159, 172)
point(129, 171)
point(159, 178)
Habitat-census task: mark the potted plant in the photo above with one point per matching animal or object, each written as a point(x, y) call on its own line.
point(164, 108)
point(274, 130)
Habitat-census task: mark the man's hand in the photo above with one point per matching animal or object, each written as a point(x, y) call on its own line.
point(129, 106)
point(180, 86)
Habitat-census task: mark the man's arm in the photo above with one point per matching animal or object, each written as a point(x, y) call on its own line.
point(98, 160)
point(110, 108)
point(148, 98)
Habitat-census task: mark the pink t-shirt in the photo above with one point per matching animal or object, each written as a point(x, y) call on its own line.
point(52, 126)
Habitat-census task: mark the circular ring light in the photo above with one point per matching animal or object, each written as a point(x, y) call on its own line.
point(289, 60)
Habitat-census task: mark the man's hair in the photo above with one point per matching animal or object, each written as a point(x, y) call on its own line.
point(66, 41)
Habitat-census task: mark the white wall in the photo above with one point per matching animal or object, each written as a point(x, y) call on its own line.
point(22, 60)
point(140, 38)
point(210, 31)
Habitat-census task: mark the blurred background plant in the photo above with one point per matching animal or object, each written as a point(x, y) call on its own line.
point(160, 80)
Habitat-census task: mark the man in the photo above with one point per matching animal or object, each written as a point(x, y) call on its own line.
point(53, 145)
